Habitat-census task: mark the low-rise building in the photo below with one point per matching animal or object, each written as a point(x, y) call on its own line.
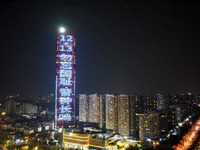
point(5, 126)
point(149, 126)
point(83, 140)
point(28, 131)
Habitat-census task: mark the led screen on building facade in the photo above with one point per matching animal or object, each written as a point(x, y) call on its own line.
point(65, 77)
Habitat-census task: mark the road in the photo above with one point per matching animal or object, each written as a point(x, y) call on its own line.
point(189, 139)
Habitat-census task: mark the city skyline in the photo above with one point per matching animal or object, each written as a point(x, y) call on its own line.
point(122, 46)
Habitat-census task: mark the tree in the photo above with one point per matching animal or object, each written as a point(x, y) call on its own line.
point(44, 135)
point(131, 147)
point(3, 137)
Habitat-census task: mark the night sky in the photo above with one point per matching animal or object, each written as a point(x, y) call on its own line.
point(122, 45)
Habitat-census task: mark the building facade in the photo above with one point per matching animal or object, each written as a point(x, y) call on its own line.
point(149, 126)
point(27, 108)
point(10, 107)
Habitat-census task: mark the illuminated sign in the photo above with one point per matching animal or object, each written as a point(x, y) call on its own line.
point(65, 77)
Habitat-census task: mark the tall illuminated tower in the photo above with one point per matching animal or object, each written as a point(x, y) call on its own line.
point(65, 78)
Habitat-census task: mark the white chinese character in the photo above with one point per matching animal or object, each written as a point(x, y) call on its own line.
point(65, 109)
point(65, 66)
point(67, 117)
point(65, 92)
point(64, 81)
point(65, 100)
point(66, 73)
point(65, 57)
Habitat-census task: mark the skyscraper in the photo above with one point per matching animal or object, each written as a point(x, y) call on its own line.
point(102, 112)
point(161, 101)
point(10, 107)
point(65, 78)
point(111, 112)
point(83, 108)
point(89, 108)
point(124, 114)
point(93, 109)
point(149, 126)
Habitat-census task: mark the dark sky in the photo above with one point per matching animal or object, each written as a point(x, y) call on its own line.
point(122, 45)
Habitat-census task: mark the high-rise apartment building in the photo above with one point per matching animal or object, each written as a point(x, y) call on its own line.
point(154, 125)
point(89, 108)
point(149, 126)
point(134, 109)
point(149, 103)
point(110, 111)
point(83, 108)
point(140, 117)
point(10, 107)
point(111, 105)
point(138, 108)
point(161, 101)
point(118, 112)
point(93, 108)
point(126, 114)
point(102, 111)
